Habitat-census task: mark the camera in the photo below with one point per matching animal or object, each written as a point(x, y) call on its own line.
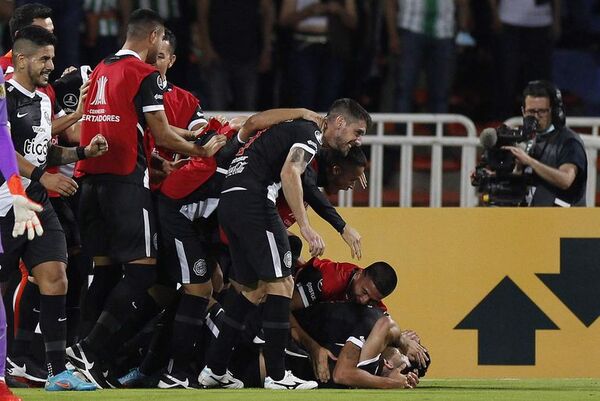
point(495, 176)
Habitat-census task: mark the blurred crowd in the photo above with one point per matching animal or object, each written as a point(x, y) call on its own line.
point(463, 56)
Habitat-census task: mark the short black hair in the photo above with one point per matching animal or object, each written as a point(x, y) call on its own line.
point(170, 37)
point(383, 276)
point(32, 35)
point(142, 22)
point(355, 157)
point(24, 15)
point(350, 109)
point(538, 89)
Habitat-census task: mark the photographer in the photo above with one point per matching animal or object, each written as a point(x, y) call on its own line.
point(557, 161)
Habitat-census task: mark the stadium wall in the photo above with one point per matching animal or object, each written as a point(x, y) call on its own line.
point(492, 292)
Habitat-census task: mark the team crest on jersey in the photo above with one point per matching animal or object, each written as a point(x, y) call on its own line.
point(162, 84)
point(70, 100)
point(200, 267)
point(2, 91)
point(319, 136)
point(287, 259)
point(320, 285)
point(100, 95)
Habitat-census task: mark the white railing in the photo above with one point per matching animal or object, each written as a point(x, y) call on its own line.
point(592, 144)
point(468, 144)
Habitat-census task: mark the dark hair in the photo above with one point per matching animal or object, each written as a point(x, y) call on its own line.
point(350, 109)
point(34, 34)
point(383, 276)
point(548, 90)
point(24, 15)
point(142, 22)
point(170, 37)
point(355, 157)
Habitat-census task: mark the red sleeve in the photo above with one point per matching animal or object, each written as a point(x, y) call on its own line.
point(336, 278)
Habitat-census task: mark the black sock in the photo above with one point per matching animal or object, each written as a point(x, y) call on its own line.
point(121, 304)
point(236, 307)
point(276, 325)
point(186, 329)
point(77, 277)
point(104, 281)
point(26, 317)
point(157, 355)
point(53, 322)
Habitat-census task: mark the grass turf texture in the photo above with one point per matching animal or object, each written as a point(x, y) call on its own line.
point(430, 390)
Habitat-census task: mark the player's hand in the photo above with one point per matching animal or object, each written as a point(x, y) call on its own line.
point(316, 245)
point(25, 217)
point(415, 352)
point(410, 380)
point(313, 116)
point(59, 183)
point(97, 147)
point(83, 90)
point(363, 181)
point(412, 335)
point(212, 146)
point(68, 70)
point(352, 238)
point(320, 360)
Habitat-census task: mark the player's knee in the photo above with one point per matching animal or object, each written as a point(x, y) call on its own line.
point(51, 277)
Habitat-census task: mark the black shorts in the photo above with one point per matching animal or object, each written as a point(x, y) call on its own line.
point(67, 218)
point(258, 240)
point(117, 220)
point(184, 246)
point(50, 247)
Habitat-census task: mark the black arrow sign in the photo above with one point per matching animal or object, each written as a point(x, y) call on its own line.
point(578, 283)
point(507, 320)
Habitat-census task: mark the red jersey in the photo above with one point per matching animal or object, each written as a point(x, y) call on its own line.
point(122, 88)
point(181, 183)
point(322, 280)
point(183, 111)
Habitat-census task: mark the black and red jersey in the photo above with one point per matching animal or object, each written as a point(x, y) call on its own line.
point(122, 88)
point(322, 280)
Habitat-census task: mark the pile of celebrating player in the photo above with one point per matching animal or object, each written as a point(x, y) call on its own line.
point(182, 222)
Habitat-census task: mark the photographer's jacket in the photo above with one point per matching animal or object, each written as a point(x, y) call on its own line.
point(554, 149)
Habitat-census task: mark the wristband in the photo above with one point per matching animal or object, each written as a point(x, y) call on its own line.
point(15, 186)
point(80, 152)
point(36, 174)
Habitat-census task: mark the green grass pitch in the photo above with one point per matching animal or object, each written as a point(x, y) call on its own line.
point(428, 390)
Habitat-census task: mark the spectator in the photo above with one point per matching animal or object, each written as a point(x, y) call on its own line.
point(235, 41)
point(321, 45)
point(421, 34)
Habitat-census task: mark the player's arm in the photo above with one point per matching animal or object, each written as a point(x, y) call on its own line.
point(291, 182)
point(58, 182)
point(346, 372)
point(268, 118)
point(67, 122)
point(60, 155)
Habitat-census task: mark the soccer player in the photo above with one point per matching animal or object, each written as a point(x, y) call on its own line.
point(260, 251)
point(27, 14)
point(30, 114)
point(25, 219)
point(117, 217)
point(356, 335)
point(334, 172)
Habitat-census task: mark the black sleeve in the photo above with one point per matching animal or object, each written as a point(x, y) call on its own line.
point(307, 284)
point(319, 201)
point(151, 93)
point(572, 152)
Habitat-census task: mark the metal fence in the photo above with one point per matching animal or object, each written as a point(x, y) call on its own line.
point(378, 139)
